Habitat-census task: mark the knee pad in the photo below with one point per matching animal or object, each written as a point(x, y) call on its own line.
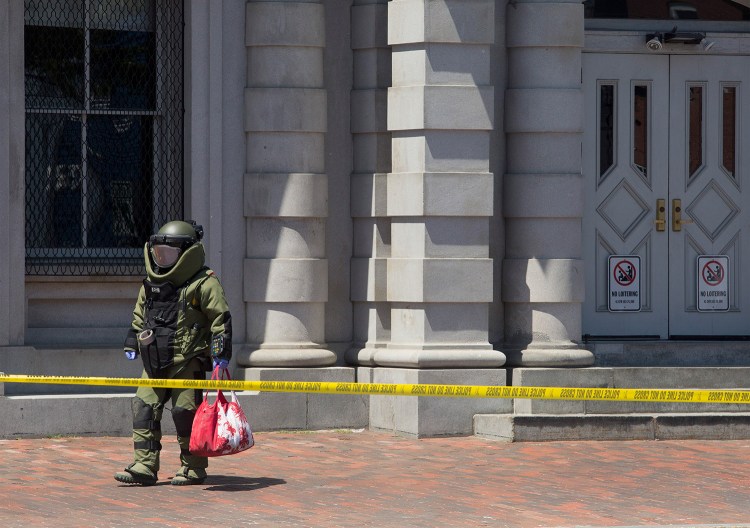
point(145, 416)
point(183, 421)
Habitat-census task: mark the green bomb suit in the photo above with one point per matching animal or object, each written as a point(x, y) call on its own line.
point(185, 308)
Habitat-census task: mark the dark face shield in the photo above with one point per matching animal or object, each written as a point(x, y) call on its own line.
point(165, 256)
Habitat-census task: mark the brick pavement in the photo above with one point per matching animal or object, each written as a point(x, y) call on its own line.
point(344, 478)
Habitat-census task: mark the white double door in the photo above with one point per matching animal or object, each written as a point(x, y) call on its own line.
point(666, 136)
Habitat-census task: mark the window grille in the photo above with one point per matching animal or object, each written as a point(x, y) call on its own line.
point(104, 131)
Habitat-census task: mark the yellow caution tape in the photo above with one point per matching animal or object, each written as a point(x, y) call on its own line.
point(393, 389)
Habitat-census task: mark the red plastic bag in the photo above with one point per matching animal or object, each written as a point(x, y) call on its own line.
point(220, 428)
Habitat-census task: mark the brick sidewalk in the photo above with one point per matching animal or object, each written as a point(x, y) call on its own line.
point(375, 479)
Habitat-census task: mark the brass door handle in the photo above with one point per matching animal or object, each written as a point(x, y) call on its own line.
point(661, 214)
point(677, 220)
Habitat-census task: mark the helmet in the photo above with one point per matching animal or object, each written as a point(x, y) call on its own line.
point(172, 240)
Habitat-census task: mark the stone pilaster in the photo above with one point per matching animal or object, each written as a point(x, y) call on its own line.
point(12, 184)
point(372, 162)
point(543, 273)
point(439, 191)
point(286, 188)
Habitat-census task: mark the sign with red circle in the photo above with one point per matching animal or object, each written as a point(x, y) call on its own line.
point(625, 272)
point(624, 283)
point(713, 272)
point(713, 283)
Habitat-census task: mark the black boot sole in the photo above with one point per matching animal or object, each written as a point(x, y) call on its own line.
point(132, 478)
point(188, 482)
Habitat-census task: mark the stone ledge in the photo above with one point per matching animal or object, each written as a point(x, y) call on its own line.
point(35, 416)
point(540, 428)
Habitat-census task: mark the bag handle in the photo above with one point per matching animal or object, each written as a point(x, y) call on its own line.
point(224, 376)
point(215, 377)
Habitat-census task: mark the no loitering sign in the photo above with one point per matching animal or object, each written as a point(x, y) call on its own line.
point(713, 283)
point(624, 283)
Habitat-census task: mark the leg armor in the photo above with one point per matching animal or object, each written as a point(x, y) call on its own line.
point(183, 423)
point(147, 433)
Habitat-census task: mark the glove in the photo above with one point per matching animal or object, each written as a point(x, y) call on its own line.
point(131, 354)
point(223, 364)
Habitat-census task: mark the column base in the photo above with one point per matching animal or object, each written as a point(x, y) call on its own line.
point(445, 357)
point(363, 354)
point(425, 416)
point(549, 355)
point(300, 410)
point(284, 355)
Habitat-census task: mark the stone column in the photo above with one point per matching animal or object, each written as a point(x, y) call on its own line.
point(12, 184)
point(439, 193)
point(372, 162)
point(543, 273)
point(286, 188)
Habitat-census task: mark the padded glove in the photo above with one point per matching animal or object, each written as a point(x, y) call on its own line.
point(131, 354)
point(223, 364)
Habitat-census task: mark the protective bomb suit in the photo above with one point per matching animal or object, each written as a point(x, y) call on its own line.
point(181, 322)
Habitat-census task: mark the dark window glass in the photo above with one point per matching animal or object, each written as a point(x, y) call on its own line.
point(720, 10)
point(640, 128)
point(104, 131)
point(54, 176)
point(729, 129)
point(54, 73)
point(119, 153)
point(695, 130)
point(122, 70)
point(606, 128)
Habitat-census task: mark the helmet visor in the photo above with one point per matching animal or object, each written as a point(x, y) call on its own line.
point(165, 256)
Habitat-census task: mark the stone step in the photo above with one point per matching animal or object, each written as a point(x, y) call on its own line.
point(629, 377)
point(550, 427)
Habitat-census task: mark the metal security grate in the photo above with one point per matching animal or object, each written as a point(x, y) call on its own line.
point(104, 131)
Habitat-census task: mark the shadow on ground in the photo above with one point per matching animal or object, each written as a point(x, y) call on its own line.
point(229, 483)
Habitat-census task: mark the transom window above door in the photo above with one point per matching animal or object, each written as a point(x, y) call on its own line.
point(104, 131)
point(714, 10)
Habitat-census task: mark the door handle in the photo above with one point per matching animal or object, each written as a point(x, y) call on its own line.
point(677, 220)
point(661, 214)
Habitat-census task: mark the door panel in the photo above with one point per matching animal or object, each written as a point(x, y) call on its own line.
point(709, 111)
point(671, 128)
point(625, 152)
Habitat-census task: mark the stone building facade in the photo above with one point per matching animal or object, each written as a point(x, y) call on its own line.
point(391, 191)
